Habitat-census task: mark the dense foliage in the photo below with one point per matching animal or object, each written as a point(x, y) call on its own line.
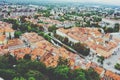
point(110, 29)
point(21, 26)
point(101, 59)
point(25, 69)
point(117, 66)
point(52, 28)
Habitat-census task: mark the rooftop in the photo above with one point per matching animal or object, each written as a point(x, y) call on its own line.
point(2, 37)
point(14, 42)
point(94, 39)
point(5, 27)
point(19, 53)
point(32, 37)
point(112, 75)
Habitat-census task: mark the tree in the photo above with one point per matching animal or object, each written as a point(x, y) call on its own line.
point(16, 78)
point(110, 12)
point(77, 47)
point(22, 18)
point(97, 19)
point(100, 30)
point(91, 75)
point(10, 36)
point(34, 75)
point(78, 75)
point(7, 74)
point(81, 48)
point(117, 66)
point(66, 40)
point(40, 21)
point(116, 28)
point(47, 37)
point(77, 24)
point(36, 65)
point(61, 72)
point(12, 60)
point(7, 61)
point(24, 27)
point(22, 67)
point(17, 34)
point(101, 59)
point(29, 29)
point(27, 57)
point(19, 78)
point(32, 78)
point(36, 16)
point(88, 24)
point(46, 13)
point(50, 73)
point(14, 22)
point(10, 20)
point(35, 70)
point(52, 28)
point(109, 30)
point(62, 61)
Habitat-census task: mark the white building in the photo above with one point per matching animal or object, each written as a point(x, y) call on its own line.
point(108, 22)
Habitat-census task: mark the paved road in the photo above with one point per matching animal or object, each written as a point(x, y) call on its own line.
point(67, 46)
point(110, 62)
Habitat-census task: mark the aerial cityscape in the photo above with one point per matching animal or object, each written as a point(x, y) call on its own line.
point(59, 40)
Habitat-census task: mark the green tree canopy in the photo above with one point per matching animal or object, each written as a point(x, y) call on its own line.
point(17, 34)
point(61, 72)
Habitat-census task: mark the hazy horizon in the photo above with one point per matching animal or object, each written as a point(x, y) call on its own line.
point(111, 2)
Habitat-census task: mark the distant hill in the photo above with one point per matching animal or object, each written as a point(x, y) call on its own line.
point(38, 2)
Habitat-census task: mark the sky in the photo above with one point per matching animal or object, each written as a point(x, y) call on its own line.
point(117, 2)
point(113, 2)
